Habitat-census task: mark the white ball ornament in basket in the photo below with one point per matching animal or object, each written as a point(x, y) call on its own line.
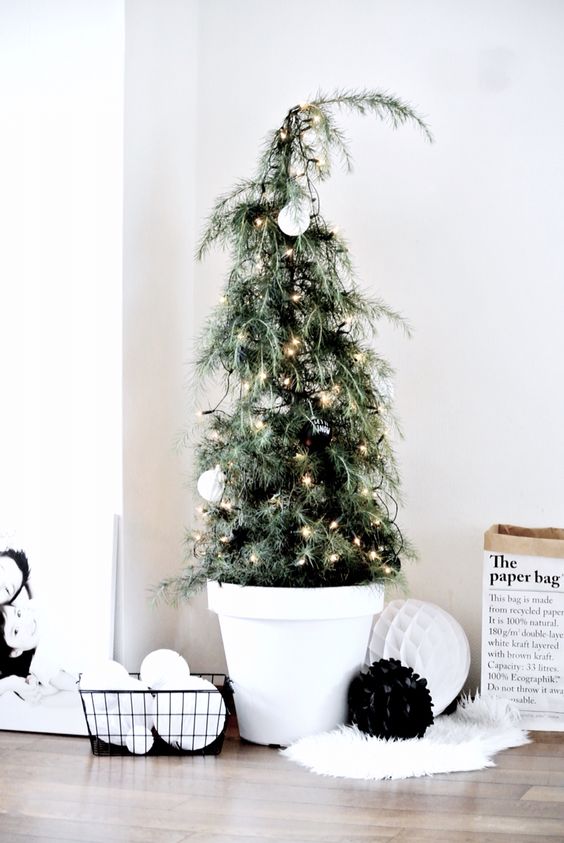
point(162, 666)
point(294, 219)
point(427, 639)
point(191, 716)
point(211, 484)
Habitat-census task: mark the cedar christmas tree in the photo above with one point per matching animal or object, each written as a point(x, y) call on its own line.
point(307, 486)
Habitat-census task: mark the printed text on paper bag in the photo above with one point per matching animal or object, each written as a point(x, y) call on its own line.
point(507, 574)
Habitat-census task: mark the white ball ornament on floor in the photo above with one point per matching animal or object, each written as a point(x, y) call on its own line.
point(294, 219)
point(188, 720)
point(211, 484)
point(163, 666)
point(429, 640)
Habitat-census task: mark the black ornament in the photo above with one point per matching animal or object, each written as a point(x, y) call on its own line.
point(390, 701)
point(316, 434)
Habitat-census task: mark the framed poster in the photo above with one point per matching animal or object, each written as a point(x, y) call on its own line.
point(45, 643)
point(61, 171)
point(523, 621)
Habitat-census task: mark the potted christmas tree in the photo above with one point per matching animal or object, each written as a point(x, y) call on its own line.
point(298, 531)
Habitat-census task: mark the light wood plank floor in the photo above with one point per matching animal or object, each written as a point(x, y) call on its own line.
point(54, 789)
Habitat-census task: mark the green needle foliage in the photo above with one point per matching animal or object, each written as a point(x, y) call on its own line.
point(302, 433)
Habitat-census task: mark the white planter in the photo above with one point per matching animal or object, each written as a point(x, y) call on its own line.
point(291, 654)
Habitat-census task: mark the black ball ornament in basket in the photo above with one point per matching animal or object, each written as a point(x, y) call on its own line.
point(316, 434)
point(390, 701)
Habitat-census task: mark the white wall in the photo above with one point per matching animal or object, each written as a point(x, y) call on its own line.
point(159, 235)
point(61, 102)
point(464, 237)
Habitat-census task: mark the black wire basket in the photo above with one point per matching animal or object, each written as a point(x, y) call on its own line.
point(171, 722)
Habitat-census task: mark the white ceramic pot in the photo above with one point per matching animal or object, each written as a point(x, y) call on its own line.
point(291, 654)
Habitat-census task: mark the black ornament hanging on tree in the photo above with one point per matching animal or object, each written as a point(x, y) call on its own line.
point(390, 701)
point(316, 434)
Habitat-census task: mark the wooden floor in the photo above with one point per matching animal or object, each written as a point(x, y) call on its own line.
point(54, 789)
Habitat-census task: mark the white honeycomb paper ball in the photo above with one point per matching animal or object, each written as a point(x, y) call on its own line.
point(427, 639)
point(162, 666)
point(189, 721)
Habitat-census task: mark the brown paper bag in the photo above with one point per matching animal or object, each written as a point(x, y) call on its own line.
point(523, 621)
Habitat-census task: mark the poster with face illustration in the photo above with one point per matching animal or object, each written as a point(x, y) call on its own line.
point(60, 351)
point(46, 642)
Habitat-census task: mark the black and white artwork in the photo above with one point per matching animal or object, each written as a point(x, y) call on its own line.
point(46, 642)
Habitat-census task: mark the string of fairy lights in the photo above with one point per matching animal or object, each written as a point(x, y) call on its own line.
point(289, 145)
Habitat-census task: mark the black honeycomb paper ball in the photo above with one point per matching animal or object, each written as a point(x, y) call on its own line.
point(390, 701)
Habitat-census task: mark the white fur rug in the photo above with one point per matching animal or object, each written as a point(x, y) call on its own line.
point(466, 740)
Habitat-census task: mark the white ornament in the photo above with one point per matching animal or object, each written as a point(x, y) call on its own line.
point(139, 740)
point(109, 727)
point(136, 704)
point(162, 666)
point(294, 219)
point(211, 484)
point(103, 675)
point(427, 639)
point(189, 720)
point(106, 676)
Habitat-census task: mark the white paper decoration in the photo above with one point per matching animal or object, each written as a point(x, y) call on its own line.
point(163, 666)
point(211, 484)
point(186, 720)
point(294, 219)
point(427, 639)
point(139, 740)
